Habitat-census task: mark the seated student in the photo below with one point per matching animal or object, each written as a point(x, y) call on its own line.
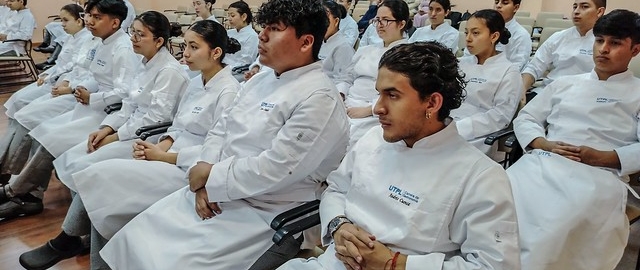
point(153, 98)
point(357, 84)
point(518, 49)
point(5, 12)
point(54, 82)
point(118, 195)
point(73, 24)
point(19, 25)
point(423, 15)
point(493, 83)
point(583, 135)
point(113, 68)
point(438, 30)
point(240, 19)
point(365, 20)
point(348, 26)
point(268, 153)
point(372, 37)
point(335, 53)
point(568, 52)
point(412, 194)
point(203, 9)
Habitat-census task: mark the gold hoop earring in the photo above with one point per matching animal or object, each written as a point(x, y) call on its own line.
point(428, 115)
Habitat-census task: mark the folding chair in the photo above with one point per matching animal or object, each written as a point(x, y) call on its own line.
point(23, 65)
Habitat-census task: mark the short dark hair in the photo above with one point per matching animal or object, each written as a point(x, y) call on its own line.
point(114, 8)
point(74, 10)
point(620, 23)
point(400, 11)
point(600, 3)
point(335, 9)
point(306, 16)
point(517, 2)
point(243, 8)
point(157, 23)
point(24, 2)
point(495, 23)
point(216, 36)
point(212, 2)
point(431, 67)
point(446, 4)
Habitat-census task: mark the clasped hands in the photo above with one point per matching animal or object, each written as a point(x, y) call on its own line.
point(198, 176)
point(357, 249)
point(583, 154)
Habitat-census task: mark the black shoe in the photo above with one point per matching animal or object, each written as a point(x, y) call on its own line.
point(4, 178)
point(46, 256)
point(49, 49)
point(3, 195)
point(24, 205)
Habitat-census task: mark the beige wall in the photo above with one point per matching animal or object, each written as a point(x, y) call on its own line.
point(43, 8)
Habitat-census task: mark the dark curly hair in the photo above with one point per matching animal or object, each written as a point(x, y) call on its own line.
point(308, 17)
point(216, 36)
point(431, 67)
point(114, 8)
point(494, 21)
point(619, 23)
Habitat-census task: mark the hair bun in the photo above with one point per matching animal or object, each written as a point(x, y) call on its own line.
point(505, 36)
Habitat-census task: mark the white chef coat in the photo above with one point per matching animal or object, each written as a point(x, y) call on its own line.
point(131, 15)
point(248, 39)
point(64, 64)
point(444, 33)
point(5, 13)
point(564, 53)
point(46, 106)
point(271, 151)
point(462, 217)
point(336, 55)
point(519, 47)
point(161, 83)
point(349, 28)
point(493, 92)
point(113, 70)
point(572, 215)
point(213, 18)
point(19, 25)
point(113, 197)
point(358, 84)
point(370, 37)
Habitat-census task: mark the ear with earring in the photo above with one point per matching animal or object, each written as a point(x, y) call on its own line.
point(428, 116)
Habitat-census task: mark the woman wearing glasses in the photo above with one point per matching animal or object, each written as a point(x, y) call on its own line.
point(116, 190)
point(492, 80)
point(357, 84)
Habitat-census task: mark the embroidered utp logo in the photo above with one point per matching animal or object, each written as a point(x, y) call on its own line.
point(266, 106)
point(402, 196)
point(606, 100)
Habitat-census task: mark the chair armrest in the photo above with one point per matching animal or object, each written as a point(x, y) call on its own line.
point(113, 108)
point(285, 217)
point(512, 142)
point(16, 40)
point(295, 227)
point(500, 134)
point(160, 130)
point(152, 127)
point(240, 69)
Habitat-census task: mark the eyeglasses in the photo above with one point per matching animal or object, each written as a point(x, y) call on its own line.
point(382, 22)
point(137, 35)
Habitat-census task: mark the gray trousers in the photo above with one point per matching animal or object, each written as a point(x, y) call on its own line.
point(35, 176)
point(77, 223)
point(14, 148)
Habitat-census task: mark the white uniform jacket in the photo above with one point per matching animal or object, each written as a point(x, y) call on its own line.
point(519, 47)
point(114, 67)
point(572, 215)
point(64, 64)
point(370, 37)
point(493, 93)
point(336, 55)
point(358, 85)
point(5, 13)
point(161, 84)
point(113, 197)
point(444, 33)
point(564, 53)
point(203, 106)
point(349, 28)
point(19, 25)
point(271, 150)
point(248, 39)
point(441, 202)
point(131, 15)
